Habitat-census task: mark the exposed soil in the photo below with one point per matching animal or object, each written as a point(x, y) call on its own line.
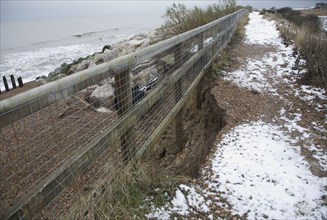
point(200, 127)
point(226, 106)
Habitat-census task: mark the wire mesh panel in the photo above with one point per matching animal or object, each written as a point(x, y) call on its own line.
point(117, 111)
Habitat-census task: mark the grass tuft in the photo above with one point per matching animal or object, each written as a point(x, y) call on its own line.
point(223, 60)
point(303, 30)
point(122, 194)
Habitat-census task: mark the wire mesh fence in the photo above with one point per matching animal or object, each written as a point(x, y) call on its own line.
point(52, 134)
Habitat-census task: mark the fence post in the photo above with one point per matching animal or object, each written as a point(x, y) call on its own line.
point(178, 55)
point(178, 94)
point(179, 129)
point(179, 116)
point(13, 82)
point(124, 102)
point(199, 86)
point(201, 38)
point(199, 94)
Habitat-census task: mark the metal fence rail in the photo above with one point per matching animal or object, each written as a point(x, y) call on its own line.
point(51, 134)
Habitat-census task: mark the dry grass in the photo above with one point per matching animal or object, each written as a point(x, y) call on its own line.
point(240, 31)
point(304, 32)
point(122, 192)
point(223, 60)
point(317, 12)
point(314, 50)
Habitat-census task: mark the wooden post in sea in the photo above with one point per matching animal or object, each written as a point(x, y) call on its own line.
point(20, 81)
point(5, 83)
point(13, 82)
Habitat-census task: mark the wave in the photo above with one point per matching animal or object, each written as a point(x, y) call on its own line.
point(40, 44)
point(31, 64)
point(94, 32)
point(84, 34)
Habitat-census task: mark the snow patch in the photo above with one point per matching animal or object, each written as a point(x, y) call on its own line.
point(323, 21)
point(291, 122)
point(260, 31)
point(263, 175)
point(259, 173)
point(263, 73)
point(313, 96)
point(186, 200)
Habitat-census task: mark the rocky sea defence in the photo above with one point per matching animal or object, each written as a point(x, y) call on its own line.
point(109, 52)
point(102, 95)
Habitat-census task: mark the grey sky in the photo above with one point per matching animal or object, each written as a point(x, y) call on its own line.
point(12, 10)
point(22, 10)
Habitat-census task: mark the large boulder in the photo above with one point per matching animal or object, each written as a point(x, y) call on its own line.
point(124, 48)
point(139, 36)
point(142, 78)
point(110, 80)
point(108, 55)
point(142, 66)
point(103, 96)
point(91, 65)
point(136, 43)
point(63, 69)
point(82, 66)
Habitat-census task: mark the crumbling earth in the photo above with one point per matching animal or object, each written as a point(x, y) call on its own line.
point(269, 160)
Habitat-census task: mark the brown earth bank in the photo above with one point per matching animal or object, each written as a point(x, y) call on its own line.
point(231, 106)
point(200, 127)
point(235, 106)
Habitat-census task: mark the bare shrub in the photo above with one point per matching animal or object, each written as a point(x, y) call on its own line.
point(295, 17)
point(179, 19)
point(314, 50)
point(304, 31)
point(240, 30)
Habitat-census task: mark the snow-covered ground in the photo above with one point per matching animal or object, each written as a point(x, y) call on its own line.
point(279, 64)
point(323, 20)
point(262, 174)
point(257, 170)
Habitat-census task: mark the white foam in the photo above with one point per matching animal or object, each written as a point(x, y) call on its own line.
point(31, 64)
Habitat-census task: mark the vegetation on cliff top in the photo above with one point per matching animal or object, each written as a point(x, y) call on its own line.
point(304, 31)
point(179, 19)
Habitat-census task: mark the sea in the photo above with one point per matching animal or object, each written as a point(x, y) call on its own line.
point(35, 48)
point(38, 36)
